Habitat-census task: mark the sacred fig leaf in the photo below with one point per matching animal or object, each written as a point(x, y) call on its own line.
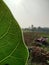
point(13, 51)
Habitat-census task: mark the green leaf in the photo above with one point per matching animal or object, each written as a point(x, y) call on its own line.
point(13, 51)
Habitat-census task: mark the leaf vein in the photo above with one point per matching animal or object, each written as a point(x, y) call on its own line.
point(10, 53)
point(5, 32)
point(4, 46)
point(16, 58)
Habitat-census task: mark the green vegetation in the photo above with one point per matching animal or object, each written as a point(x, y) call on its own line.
point(12, 48)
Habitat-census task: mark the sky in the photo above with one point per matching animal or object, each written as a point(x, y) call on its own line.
point(30, 12)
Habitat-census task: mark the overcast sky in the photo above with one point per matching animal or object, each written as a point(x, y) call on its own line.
point(28, 12)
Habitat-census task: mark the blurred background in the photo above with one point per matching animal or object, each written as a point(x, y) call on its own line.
point(33, 18)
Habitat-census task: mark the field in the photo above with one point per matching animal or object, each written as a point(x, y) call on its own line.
point(29, 38)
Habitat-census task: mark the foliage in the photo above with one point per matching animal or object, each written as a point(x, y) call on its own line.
point(12, 48)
